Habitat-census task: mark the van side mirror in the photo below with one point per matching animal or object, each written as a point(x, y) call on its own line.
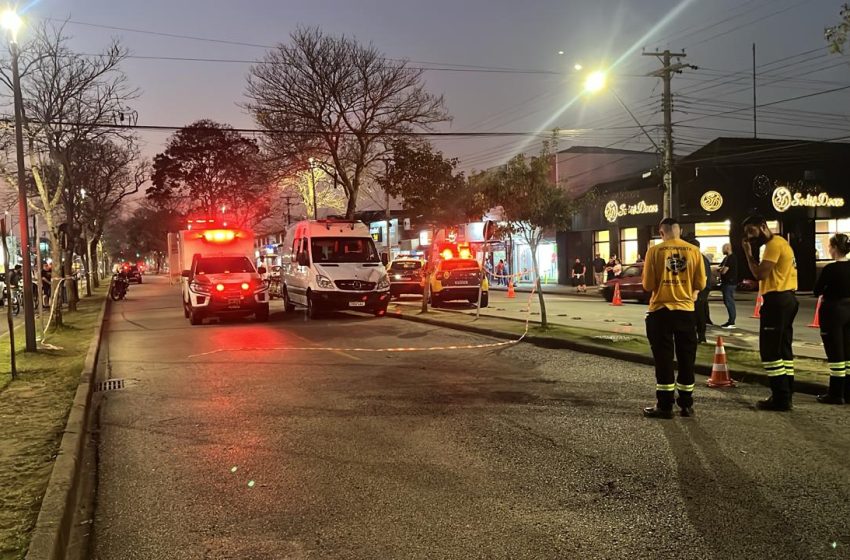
point(261, 270)
point(385, 260)
point(303, 259)
point(186, 274)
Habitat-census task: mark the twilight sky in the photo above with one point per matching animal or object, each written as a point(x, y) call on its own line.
point(464, 35)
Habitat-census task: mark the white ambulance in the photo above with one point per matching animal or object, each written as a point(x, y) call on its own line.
point(218, 273)
point(332, 265)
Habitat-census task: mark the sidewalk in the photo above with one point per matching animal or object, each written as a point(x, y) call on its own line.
point(593, 291)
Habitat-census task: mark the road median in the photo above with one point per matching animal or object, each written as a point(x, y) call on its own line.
point(811, 374)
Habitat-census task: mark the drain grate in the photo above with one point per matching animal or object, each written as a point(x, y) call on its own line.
point(110, 385)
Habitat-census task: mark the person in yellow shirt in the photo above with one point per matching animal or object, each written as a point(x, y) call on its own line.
point(777, 277)
point(675, 273)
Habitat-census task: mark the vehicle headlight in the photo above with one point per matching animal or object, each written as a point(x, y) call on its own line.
point(199, 288)
point(397, 276)
point(324, 282)
point(384, 283)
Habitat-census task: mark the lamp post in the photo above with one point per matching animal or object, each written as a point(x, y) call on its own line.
point(12, 23)
point(313, 188)
point(597, 81)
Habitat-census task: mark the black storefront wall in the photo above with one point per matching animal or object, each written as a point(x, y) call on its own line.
point(782, 195)
point(611, 211)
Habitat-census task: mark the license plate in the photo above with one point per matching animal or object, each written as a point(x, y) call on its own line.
point(356, 304)
point(461, 282)
point(233, 303)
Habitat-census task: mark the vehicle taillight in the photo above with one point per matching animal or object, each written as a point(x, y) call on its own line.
point(246, 286)
point(219, 235)
point(447, 254)
point(219, 287)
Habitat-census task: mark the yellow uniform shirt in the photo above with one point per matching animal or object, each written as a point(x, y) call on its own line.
point(673, 271)
point(783, 277)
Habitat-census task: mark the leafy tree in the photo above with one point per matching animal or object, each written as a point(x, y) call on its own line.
point(304, 182)
point(836, 35)
point(431, 188)
point(207, 165)
point(144, 231)
point(529, 203)
point(339, 101)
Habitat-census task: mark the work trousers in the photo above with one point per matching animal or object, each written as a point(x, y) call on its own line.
point(729, 301)
point(776, 333)
point(673, 333)
point(834, 318)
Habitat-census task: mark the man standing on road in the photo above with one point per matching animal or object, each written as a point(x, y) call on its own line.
point(777, 276)
point(674, 273)
point(598, 270)
point(728, 284)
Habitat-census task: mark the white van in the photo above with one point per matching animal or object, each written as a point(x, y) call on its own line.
point(331, 265)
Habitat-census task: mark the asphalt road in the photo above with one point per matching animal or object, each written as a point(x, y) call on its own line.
point(264, 449)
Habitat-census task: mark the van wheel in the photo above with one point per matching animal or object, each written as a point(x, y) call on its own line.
point(288, 306)
point(312, 310)
point(608, 294)
point(262, 314)
point(195, 317)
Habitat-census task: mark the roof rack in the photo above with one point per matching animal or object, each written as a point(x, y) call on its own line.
point(332, 221)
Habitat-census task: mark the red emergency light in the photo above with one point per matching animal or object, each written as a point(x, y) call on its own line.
point(219, 235)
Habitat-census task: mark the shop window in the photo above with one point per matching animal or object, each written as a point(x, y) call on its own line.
point(602, 244)
point(824, 229)
point(712, 236)
point(629, 245)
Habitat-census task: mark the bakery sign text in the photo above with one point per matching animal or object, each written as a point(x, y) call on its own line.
point(614, 210)
point(783, 199)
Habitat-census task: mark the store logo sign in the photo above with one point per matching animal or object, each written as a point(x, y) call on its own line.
point(614, 210)
point(711, 201)
point(783, 199)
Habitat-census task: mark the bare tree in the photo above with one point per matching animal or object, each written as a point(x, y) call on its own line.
point(68, 99)
point(339, 101)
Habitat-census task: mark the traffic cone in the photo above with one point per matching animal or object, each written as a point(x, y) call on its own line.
point(815, 324)
point(757, 310)
point(618, 300)
point(720, 369)
point(511, 293)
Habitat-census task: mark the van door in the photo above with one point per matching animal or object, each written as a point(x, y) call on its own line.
point(298, 284)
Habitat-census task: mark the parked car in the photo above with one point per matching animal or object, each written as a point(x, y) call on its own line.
point(274, 283)
point(406, 276)
point(133, 273)
point(630, 285)
point(459, 279)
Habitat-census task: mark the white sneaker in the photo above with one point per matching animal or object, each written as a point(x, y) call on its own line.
point(728, 326)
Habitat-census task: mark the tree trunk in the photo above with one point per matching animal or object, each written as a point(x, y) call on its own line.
point(351, 206)
point(56, 255)
point(533, 246)
point(94, 261)
point(70, 283)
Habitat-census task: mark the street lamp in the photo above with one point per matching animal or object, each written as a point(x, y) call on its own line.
point(595, 82)
point(313, 188)
point(11, 22)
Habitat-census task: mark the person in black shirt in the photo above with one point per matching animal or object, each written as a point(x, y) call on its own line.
point(579, 273)
point(834, 285)
point(728, 284)
point(598, 270)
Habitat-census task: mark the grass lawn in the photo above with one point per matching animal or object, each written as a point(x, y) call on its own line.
point(33, 411)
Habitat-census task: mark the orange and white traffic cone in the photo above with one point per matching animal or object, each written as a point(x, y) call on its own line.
point(511, 292)
point(720, 369)
point(815, 324)
point(757, 310)
point(618, 299)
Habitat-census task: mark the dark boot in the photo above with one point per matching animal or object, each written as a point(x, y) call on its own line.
point(656, 412)
point(780, 394)
point(835, 395)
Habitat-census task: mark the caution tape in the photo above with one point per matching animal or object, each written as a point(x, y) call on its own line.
point(395, 349)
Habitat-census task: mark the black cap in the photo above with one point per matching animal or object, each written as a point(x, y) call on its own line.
point(669, 222)
point(754, 220)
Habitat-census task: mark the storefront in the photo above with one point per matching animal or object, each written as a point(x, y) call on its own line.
point(619, 221)
point(801, 188)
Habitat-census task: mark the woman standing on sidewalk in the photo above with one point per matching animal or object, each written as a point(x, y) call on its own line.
point(834, 285)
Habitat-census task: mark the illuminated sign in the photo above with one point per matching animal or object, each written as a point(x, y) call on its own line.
point(614, 210)
point(711, 201)
point(783, 199)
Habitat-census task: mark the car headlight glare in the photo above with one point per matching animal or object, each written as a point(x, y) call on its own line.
point(384, 283)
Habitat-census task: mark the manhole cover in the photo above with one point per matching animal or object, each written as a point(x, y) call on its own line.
point(110, 385)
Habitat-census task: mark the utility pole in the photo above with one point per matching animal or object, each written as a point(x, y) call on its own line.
point(755, 121)
point(666, 73)
point(288, 201)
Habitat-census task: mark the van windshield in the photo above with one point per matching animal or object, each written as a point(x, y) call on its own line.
point(224, 265)
point(344, 250)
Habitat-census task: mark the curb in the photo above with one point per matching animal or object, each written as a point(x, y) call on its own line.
point(749, 376)
point(51, 534)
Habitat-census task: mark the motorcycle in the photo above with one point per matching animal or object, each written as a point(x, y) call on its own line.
point(119, 287)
